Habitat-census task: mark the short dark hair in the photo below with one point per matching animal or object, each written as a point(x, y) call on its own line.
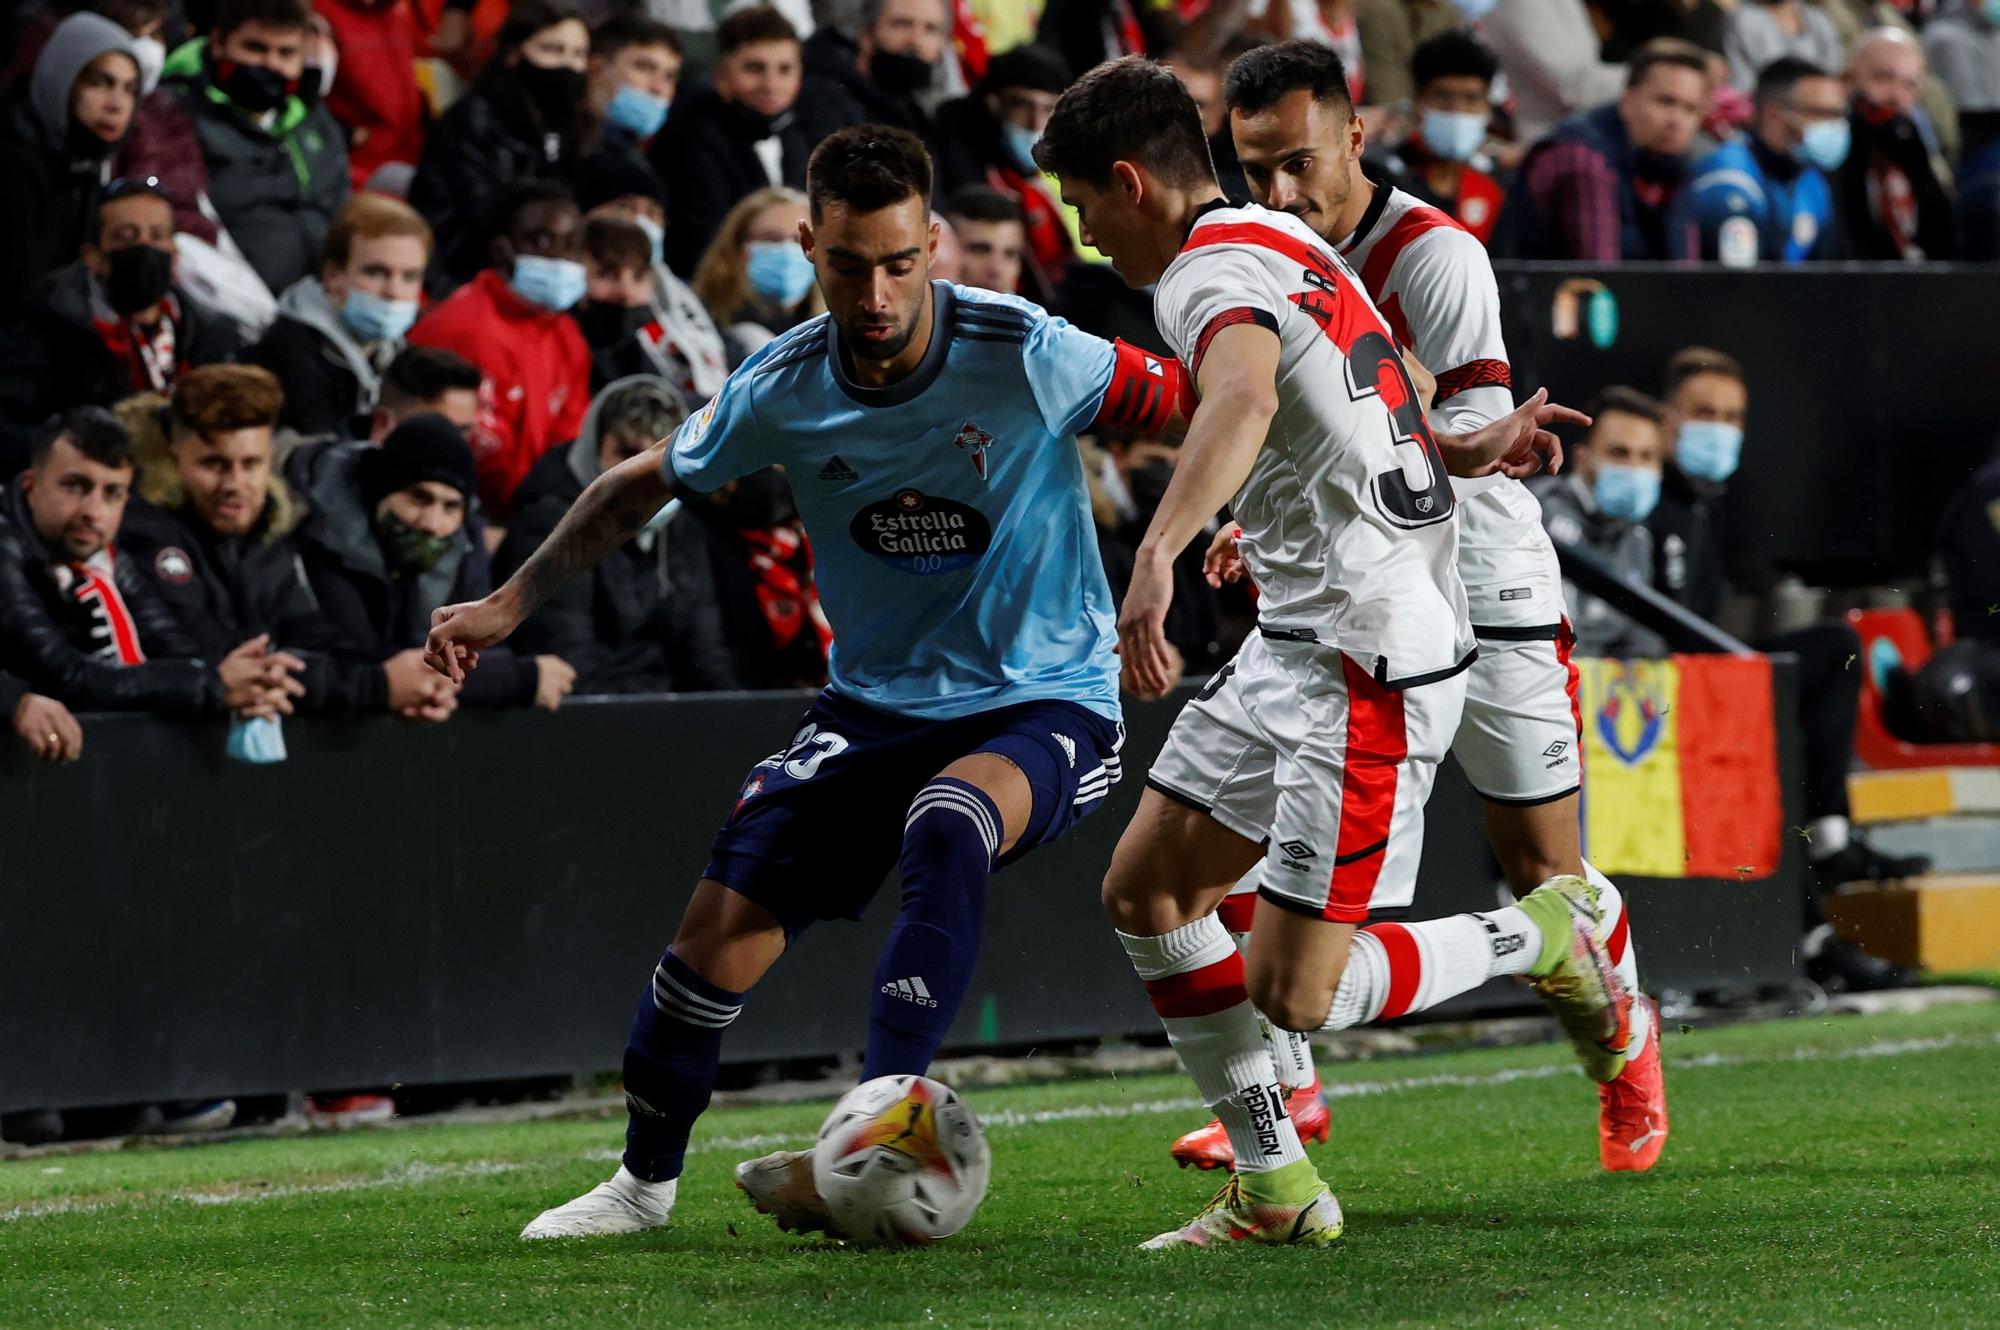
point(1630, 401)
point(1127, 110)
point(1453, 55)
point(617, 243)
point(233, 14)
point(866, 168)
point(983, 203)
point(422, 375)
point(523, 21)
point(1258, 80)
point(130, 15)
point(517, 197)
point(1690, 361)
point(747, 27)
point(91, 430)
point(1776, 80)
point(623, 30)
point(1671, 52)
point(1025, 66)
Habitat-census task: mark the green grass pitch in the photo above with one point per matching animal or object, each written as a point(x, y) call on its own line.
point(1825, 1172)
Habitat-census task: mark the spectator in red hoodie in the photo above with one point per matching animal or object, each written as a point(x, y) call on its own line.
point(376, 96)
point(512, 321)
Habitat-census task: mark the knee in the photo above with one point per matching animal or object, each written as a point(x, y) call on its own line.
point(954, 821)
point(1125, 905)
point(1288, 1003)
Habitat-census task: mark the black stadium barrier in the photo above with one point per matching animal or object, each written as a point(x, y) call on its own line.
point(487, 900)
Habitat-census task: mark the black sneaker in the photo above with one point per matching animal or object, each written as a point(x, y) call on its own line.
point(1861, 862)
point(1841, 967)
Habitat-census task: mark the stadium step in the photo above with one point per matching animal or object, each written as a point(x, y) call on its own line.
point(1921, 793)
point(1945, 922)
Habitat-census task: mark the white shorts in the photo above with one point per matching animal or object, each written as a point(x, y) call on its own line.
point(1518, 740)
point(1294, 745)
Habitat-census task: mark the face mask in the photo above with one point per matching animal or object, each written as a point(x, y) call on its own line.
point(554, 91)
point(1825, 144)
point(606, 323)
point(259, 742)
point(407, 549)
point(151, 55)
point(636, 111)
point(1453, 135)
point(1021, 147)
point(1626, 492)
point(554, 284)
point(898, 75)
point(317, 81)
point(374, 318)
point(1474, 10)
point(139, 278)
point(779, 271)
point(1709, 449)
point(252, 88)
point(656, 235)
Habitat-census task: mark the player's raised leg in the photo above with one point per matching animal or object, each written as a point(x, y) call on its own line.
point(724, 945)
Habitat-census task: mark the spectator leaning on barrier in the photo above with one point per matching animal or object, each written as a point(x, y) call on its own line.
point(112, 323)
point(376, 97)
point(77, 111)
point(49, 728)
point(524, 118)
point(646, 619)
point(992, 239)
point(1760, 32)
point(82, 625)
point(756, 280)
point(386, 543)
point(1600, 505)
point(276, 161)
point(1891, 191)
point(513, 322)
point(336, 332)
point(216, 539)
point(1603, 185)
point(1772, 180)
point(1443, 161)
point(890, 63)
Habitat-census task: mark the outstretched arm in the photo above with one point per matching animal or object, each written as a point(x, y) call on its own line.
point(606, 515)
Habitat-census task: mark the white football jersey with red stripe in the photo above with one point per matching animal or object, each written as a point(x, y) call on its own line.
point(1434, 285)
point(1348, 515)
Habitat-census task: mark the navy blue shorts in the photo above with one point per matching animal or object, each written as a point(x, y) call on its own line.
point(819, 825)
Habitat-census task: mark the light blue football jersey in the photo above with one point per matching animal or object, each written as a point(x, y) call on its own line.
point(949, 518)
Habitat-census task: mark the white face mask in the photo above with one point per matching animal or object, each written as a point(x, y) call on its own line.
point(152, 57)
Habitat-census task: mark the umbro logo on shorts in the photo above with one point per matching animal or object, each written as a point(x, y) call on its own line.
point(1556, 749)
point(838, 472)
point(910, 990)
point(1296, 853)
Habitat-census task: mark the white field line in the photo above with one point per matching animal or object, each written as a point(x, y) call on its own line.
point(418, 1174)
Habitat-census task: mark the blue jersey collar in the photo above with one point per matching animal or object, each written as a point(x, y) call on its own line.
point(912, 385)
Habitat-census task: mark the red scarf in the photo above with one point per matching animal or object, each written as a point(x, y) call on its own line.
point(780, 561)
point(148, 354)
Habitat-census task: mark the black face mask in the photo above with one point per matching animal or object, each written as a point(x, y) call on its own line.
point(753, 124)
point(898, 75)
point(139, 277)
point(606, 323)
point(252, 88)
point(555, 92)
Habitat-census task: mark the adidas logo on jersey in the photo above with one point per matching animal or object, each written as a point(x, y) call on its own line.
point(1068, 747)
point(911, 990)
point(838, 472)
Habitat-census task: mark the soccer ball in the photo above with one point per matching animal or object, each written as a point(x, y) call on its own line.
point(901, 1161)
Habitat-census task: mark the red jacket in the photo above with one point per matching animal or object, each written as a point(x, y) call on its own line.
point(375, 94)
point(537, 378)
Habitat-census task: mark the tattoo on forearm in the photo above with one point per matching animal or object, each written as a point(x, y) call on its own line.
point(606, 515)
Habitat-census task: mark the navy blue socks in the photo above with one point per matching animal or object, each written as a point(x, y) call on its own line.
point(670, 1065)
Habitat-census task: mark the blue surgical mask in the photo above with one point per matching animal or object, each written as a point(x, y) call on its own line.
point(656, 235)
point(259, 742)
point(1474, 10)
point(779, 271)
point(1991, 10)
point(1628, 492)
point(636, 111)
point(1021, 147)
point(1824, 144)
point(1709, 449)
point(554, 284)
point(375, 318)
point(1453, 135)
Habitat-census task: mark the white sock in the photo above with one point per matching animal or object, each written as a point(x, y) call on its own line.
point(655, 1200)
point(1395, 969)
point(1291, 1052)
point(1616, 934)
point(1194, 977)
point(1826, 836)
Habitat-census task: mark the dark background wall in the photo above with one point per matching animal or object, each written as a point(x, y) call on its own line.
point(487, 900)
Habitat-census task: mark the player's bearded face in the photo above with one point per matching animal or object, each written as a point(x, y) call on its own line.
point(874, 269)
point(1297, 157)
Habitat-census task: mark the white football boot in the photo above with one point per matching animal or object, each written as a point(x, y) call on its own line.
point(623, 1205)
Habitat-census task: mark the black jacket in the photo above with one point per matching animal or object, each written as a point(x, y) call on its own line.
point(228, 589)
point(1886, 147)
point(1687, 527)
point(375, 614)
point(332, 380)
point(485, 142)
point(53, 358)
point(830, 58)
point(646, 619)
point(705, 156)
point(58, 644)
point(49, 193)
